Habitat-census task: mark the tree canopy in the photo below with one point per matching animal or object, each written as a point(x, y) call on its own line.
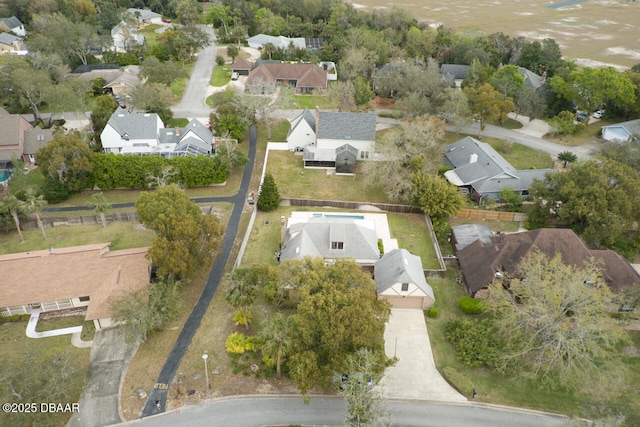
point(66, 159)
point(186, 239)
point(554, 320)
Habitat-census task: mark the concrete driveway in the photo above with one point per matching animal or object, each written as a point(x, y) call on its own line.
point(415, 375)
point(100, 401)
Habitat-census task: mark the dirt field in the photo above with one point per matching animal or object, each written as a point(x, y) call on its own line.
point(591, 32)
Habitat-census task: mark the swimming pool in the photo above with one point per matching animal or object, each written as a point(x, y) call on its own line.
point(5, 176)
point(319, 215)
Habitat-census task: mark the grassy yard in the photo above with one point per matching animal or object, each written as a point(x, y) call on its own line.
point(149, 33)
point(24, 181)
point(295, 181)
point(413, 235)
point(16, 350)
point(310, 101)
point(178, 86)
point(122, 235)
point(589, 134)
point(220, 76)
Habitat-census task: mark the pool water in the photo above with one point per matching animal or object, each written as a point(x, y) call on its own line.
point(5, 175)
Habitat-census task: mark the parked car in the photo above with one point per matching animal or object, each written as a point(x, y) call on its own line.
point(167, 21)
point(582, 116)
point(598, 114)
point(235, 76)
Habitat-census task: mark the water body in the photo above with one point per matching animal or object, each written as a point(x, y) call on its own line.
point(564, 3)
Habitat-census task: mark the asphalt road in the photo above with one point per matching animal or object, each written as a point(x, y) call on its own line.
point(256, 411)
point(193, 101)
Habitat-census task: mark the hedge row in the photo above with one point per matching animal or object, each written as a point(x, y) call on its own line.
point(116, 171)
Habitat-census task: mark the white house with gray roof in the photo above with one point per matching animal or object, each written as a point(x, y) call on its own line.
point(14, 25)
point(481, 171)
point(331, 237)
point(319, 135)
point(145, 134)
point(400, 279)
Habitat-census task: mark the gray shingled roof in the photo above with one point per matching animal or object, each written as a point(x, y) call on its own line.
point(466, 234)
point(313, 238)
point(400, 266)
point(531, 79)
point(347, 126)
point(456, 71)
point(137, 125)
point(11, 23)
point(144, 13)
point(8, 39)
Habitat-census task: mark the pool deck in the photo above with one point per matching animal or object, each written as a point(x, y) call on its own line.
point(377, 221)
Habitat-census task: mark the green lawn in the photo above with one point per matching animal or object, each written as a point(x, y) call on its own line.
point(310, 101)
point(149, 33)
point(412, 234)
point(122, 235)
point(26, 357)
point(296, 182)
point(32, 180)
point(178, 86)
point(220, 76)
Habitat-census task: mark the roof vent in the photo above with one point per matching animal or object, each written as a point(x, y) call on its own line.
point(473, 158)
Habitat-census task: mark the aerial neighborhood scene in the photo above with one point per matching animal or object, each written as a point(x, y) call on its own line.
point(319, 213)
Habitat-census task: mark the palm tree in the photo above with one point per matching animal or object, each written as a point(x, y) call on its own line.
point(277, 335)
point(567, 157)
point(269, 49)
point(100, 205)
point(12, 205)
point(242, 293)
point(33, 204)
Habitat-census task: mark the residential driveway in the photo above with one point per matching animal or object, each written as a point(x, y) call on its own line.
point(100, 401)
point(415, 375)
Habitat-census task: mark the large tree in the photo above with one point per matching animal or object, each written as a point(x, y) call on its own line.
point(598, 199)
point(338, 313)
point(555, 320)
point(66, 159)
point(186, 239)
point(411, 147)
point(269, 197)
point(488, 105)
point(436, 196)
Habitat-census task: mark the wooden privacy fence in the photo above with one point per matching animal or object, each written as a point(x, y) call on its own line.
point(80, 220)
point(351, 205)
point(495, 215)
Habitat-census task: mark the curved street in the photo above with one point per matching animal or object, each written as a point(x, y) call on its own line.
point(256, 411)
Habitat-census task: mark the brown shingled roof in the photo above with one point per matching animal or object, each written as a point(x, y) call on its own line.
point(242, 64)
point(305, 75)
point(479, 262)
point(89, 270)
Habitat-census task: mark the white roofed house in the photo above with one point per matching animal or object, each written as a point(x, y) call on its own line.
point(145, 134)
point(125, 36)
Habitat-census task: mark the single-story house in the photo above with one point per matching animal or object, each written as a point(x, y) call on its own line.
point(120, 81)
point(35, 139)
point(145, 16)
point(125, 36)
point(531, 79)
point(259, 41)
point(10, 43)
point(78, 276)
point(622, 132)
point(333, 236)
point(478, 169)
point(242, 66)
point(12, 136)
point(303, 77)
point(400, 279)
point(457, 73)
point(14, 25)
point(145, 134)
point(500, 255)
point(464, 235)
point(322, 134)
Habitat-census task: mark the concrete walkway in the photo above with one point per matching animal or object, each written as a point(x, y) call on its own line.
point(100, 401)
point(538, 128)
point(414, 376)
point(74, 331)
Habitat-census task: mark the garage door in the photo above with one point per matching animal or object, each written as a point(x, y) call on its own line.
point(406, 302)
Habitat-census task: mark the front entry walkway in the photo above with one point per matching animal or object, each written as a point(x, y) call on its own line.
point(75, 331)
point(415, 375)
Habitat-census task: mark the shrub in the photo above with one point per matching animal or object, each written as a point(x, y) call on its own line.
point(14, 318)
point(474, 341)
point(238, 343)
point(238, 318)
point(433, 312)
point(442, 229)
point(472, 306)
point(219, 60)
point(55, 191)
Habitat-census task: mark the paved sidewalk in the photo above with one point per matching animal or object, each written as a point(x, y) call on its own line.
point(536, 127)
point(74, 331)
point(415, 375)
